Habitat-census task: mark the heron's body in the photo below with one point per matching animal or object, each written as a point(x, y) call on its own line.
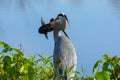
point(64, 56)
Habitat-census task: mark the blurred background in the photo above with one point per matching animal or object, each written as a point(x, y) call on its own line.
point(94, 27)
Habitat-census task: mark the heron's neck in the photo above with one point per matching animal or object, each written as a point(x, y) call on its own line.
point(56, 34)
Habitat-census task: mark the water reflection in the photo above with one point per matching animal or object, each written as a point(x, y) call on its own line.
point(76, 2)
point(0, 27)
point(115, 3)
point(5, 3)
point(21, 4)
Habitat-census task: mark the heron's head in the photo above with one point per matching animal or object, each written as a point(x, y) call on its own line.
point(59, 23)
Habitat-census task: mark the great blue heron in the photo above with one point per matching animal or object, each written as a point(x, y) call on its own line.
point(64, 55)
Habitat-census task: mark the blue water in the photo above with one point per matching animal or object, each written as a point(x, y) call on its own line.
point(94, 27)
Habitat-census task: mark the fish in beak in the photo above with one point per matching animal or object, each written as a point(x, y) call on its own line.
point(45, 28)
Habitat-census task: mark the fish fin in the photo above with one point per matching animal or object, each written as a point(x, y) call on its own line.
point(42, 22)
point(46, 35)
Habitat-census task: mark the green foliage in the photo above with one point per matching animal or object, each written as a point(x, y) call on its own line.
point(16, 67)
point(44, 67)
point(107, 68)
point(102, 76)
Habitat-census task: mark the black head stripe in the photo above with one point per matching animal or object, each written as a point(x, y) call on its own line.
point(66, 18)
point(61, 14)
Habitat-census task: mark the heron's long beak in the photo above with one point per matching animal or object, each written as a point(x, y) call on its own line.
point(45, 28)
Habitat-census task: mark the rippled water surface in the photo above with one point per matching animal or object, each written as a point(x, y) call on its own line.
point(94, 26)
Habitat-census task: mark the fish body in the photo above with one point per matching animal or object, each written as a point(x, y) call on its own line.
point(45, 28)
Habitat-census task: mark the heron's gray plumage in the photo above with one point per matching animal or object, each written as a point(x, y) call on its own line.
point(64, 56)
point(65, 51)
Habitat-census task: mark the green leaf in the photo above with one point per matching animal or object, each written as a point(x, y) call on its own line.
point(7, 62)
point(17, 51)
point(96, 65)
point(31, 73)
point(49, 58)
point(1, 56)
point(106, 57)
point(105, 66)
point(21, 69)
point(103, 75)
point(41, 57)
point(89, 78)
point(5, 46)
point(71, 69)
